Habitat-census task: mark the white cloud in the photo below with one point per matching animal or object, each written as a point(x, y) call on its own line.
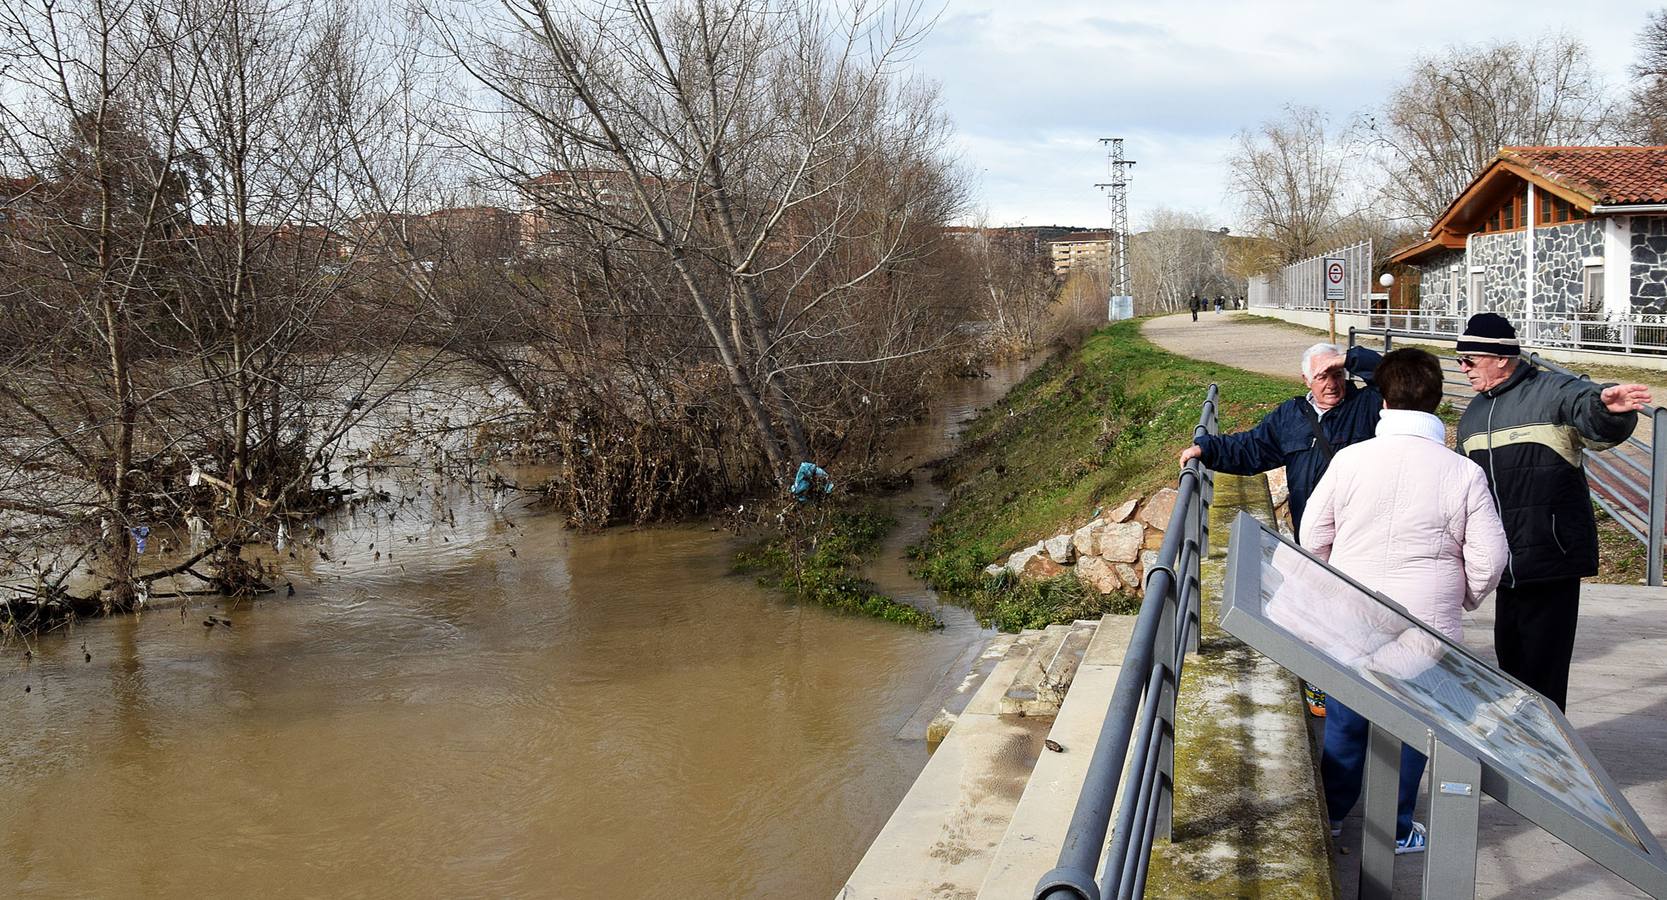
point(1032, 86)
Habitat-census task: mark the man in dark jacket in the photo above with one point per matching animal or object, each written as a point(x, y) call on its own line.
point(1291, 436)
point(1527, 429)
point(1301, 434)
point(1195, 303)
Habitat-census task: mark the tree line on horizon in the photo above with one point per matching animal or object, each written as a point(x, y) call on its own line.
point(1306, 183)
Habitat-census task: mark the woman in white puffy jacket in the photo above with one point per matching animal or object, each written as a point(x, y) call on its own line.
point(1409, 518)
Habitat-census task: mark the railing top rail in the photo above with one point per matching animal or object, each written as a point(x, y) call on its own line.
point(1168, 580)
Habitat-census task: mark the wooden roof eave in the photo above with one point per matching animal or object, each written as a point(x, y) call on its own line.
point(1501, 166)
point(1442, 241)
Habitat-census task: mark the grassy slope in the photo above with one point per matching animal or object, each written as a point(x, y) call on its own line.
point(1090, 428)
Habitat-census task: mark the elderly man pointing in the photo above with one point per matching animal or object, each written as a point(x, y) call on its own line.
point(1302, 434)
point(1527, 428)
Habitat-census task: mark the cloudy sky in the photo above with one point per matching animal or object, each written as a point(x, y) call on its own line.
point(1033, 84)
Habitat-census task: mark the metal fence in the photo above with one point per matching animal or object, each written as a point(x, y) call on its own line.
point(1164, 633)
point(1302, 285)
point(1628, 481)
point(1638, 333)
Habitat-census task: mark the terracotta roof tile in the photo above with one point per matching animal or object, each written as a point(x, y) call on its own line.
point(1608, 175)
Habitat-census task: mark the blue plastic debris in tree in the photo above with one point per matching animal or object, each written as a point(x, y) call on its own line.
point(140, 533)
point(810, 481)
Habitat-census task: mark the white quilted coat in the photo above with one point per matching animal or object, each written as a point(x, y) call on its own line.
point(1410, 519)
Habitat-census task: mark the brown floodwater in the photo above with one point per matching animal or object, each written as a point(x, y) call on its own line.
point(493, 708)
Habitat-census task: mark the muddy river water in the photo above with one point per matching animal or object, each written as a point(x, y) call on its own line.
point(493, 708)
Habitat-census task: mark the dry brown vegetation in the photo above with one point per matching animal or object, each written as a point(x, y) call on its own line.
point(676, 248)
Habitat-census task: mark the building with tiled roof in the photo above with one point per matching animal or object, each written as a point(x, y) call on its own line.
point(1551, 232)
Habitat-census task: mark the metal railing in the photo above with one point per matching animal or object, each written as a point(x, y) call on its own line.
point(1640, 333)
point(1164, 633)
point(1629, 481)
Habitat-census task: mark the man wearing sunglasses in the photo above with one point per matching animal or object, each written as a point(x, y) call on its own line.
point(1527, 429)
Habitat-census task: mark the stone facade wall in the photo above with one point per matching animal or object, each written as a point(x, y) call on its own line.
point(1560, 253)
point(1435, 281)
point(1649, 264)
point(1501, 257)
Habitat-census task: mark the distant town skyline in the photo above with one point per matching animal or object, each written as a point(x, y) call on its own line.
point(1032, 87)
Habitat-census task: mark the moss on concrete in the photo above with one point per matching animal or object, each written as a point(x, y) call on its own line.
point(1248, 819)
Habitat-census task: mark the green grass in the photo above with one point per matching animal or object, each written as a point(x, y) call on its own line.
point(816, 555)
point(1088, 429)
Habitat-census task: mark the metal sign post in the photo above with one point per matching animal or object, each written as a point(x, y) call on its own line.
point(1336, 269)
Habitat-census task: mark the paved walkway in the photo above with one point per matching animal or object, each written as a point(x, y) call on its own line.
point(1228, 339)
point(1618, 701)
point(1617, 690)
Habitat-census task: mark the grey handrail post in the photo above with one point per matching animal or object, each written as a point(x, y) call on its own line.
point(1388, 339)
point(1658, 493)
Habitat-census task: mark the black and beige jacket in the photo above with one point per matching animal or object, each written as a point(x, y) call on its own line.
point(1527, 434)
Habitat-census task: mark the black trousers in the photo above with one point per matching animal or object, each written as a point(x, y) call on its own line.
point(1533, 634)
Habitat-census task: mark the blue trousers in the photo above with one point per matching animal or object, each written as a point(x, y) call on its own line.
point(1343, 766)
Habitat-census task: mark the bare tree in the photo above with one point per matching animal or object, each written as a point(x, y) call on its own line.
point(1646, 117)
point(1457, 108)
point(1179, 254)
point(1015, 284)
point(1290, 176)
point(752, 188)
point(194, 308)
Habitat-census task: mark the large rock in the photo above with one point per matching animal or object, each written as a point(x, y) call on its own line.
point(1017, 561)
point(1060, 549)
point(1158, 508)
point(1278, 490)
point(1099, 574)
point(1087, 538)
point(1040, 566)
point(1154, 539)
point(1121, 542)
point(1123, 511)
point(1130, 578)
point(1148, 559)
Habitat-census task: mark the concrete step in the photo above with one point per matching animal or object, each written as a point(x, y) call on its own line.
point(954, 690)
point(1037, 828)
point(941, 839)
point(1046, 674)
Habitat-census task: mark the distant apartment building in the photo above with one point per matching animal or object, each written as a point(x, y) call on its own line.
point(1080, 252)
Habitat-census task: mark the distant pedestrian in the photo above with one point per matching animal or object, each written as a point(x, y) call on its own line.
point(1527, 429)
point(1220, 302)
point(1196, 304)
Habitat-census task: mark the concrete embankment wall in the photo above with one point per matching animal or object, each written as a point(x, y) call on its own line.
point(987, 815)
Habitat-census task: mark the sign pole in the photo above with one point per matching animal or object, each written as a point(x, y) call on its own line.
point(1335, 277)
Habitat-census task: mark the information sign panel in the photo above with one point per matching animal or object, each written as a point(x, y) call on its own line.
point(1411, 680)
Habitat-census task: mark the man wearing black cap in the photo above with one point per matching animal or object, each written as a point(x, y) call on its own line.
point(1526, 429)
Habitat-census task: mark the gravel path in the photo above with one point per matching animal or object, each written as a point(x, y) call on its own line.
point(1228, 339)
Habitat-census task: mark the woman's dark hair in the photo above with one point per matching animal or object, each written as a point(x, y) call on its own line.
point(1409, 379)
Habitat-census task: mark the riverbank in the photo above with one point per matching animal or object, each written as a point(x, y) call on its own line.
point(1089, 429)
